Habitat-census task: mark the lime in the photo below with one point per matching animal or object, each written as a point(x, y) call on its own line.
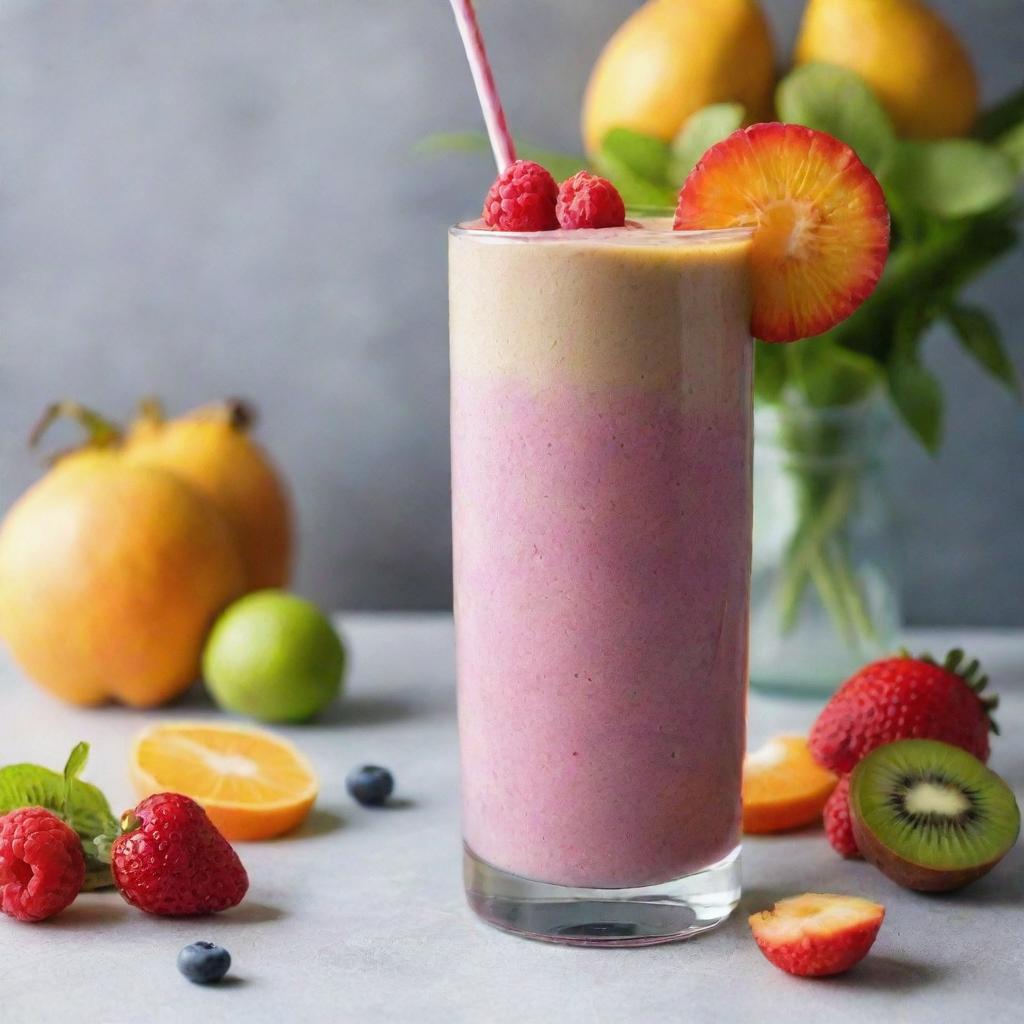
point(275, 657)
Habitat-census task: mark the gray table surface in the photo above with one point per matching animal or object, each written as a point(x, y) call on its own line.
point(360, 916)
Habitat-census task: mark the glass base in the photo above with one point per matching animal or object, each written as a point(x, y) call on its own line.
point(673, 910)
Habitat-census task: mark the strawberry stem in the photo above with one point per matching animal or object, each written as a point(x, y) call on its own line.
point(953, 659)
point(130, 821)
point(953, 662)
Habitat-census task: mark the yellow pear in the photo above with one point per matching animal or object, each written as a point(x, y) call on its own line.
point(211, 449)
point(909, 56)
point(111, 574)
point(673, 57)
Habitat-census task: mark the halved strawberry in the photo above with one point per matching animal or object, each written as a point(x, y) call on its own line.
point(821, 224)
point(817, 934)
point(783, 786)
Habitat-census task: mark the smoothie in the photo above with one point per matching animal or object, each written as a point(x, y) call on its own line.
point(601, 482)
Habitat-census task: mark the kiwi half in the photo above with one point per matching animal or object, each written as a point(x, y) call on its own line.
point(931, 816)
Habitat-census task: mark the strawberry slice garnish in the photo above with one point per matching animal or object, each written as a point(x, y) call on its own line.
point(817, 934)
point(821, 226)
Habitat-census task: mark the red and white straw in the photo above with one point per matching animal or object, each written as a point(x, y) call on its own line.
point(486, 89)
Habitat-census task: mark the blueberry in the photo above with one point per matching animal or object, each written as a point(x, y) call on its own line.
point(370, 785)
point(204, 963)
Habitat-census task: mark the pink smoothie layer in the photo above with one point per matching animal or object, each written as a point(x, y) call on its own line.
point(601, 536)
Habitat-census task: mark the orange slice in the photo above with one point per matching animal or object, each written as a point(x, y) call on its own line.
point(821, 226)
point(253, 785)
point(783, 786)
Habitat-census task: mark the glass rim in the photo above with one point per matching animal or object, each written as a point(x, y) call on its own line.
point(562, 235)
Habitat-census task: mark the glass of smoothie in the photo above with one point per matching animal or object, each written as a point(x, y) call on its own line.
point(601, 489)
point(601, 381)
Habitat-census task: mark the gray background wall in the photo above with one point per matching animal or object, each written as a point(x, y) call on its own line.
point(210, 197)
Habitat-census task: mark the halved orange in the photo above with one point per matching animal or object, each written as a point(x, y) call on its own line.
point(252, 784)
point(783, 786)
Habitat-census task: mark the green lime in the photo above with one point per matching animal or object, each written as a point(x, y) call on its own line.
point(275, 657)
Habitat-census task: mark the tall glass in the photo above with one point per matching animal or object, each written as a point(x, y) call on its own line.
point(601, 491)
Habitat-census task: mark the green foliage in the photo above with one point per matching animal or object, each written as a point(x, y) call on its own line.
point(838, 101)
point(826, 374)
point(951, 177)
point(638, 164)
point(1000, 118)
point(769, 372)
point(1012, 144)
point(917, 395)
point(699, 133)
point(979, 336)
point(643, 155)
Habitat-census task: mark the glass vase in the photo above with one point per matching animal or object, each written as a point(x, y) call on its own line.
point(824, 599)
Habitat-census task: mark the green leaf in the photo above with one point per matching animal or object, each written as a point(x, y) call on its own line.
point(769, 371)
point(1000, 118)
point(636, 191)
point(88, 813)
point(931, 272)
point(979, 336)
point(643, 155)
point(951, 177)
point(699, 133)
point(561, 165)
point(28, 785)
point(830, 375)
point(1012, 144)
point(918, 398)
point(838, 101)
point(72, 769)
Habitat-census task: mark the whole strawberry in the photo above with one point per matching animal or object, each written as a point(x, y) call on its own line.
point(836, 818)
point(904, 698)
point(41, 864)
point(172, 861)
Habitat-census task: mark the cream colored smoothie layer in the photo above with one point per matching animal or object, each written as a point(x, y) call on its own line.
point(610, 317)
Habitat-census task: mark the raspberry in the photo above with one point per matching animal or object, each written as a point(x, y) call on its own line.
point(522, 198)
point(587, 201)
point(173, 861)
point(837, 820)
point(42, 866)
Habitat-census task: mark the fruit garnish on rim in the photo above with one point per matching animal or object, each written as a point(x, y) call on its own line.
point(523, 197)
point(821, 225)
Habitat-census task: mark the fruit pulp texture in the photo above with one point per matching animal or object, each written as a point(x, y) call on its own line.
point(601, 489)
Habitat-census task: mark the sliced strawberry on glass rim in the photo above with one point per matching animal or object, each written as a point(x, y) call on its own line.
point(821, 226)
